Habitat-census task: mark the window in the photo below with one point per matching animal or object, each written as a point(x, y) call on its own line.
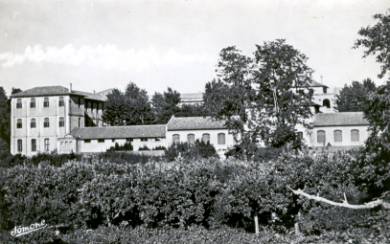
point(129, 139)
point(206, 138)
point(321, 137)
point(46, 143)
point(19, 123)
point(33, 145)
point(326, 103)
point(100, 140)
point(221, 139)
point(338, 135)
point(32, 102)
point(144, 139)
point(19, 103)
point(79, 122)
point(176, 138)
point(300, 135)
point(355, 135)
point(20, 145)
point(156, 139)
point(33, 123)
point(191, 138)
point(46, 123)
point(325, 89)
point(46, 102)
point(87, 141)
point(113, 140)
point(61, 122)
point(61, 102)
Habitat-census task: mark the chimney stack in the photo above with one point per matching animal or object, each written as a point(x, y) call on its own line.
point(70, 87)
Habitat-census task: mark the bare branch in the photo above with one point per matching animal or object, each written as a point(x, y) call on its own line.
point(344, 204)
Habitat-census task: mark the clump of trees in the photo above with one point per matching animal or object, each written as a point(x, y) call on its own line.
point(354, 97)
point(264, 96)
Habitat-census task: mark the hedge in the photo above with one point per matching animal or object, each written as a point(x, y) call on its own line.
point(185, 194)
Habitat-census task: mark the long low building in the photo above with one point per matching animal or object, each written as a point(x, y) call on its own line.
point(149, 137)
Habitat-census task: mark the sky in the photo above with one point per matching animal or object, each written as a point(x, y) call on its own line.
point(102, 44)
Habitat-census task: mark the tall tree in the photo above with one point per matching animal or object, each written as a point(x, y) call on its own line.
point(115, 111)
point(281, 75)
point(229, 95)
point(375, 41)
point(374, 164)
point(264, 97)
point(139, 109)
point(354, 97)
point(165, 105)
point(129, 108)
point(4, 117)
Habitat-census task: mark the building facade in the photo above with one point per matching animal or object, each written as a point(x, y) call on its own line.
point(41, 115)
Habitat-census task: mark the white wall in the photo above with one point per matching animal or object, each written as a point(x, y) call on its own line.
point(95, 146)
point(221, 149)
point(39, 113)
point(346, 136)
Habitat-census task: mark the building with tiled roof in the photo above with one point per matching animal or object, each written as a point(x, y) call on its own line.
point(341, 130)
point(195, 123)
point(41, 115)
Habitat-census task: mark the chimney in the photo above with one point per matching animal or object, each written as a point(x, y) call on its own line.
point(70, 87)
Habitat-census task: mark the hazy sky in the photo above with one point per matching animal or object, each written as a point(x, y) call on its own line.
point(159, 43)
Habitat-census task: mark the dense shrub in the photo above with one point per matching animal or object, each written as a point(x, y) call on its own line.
point(197, 150)
point(52, 159)
point(125, 147)
point(186, 193)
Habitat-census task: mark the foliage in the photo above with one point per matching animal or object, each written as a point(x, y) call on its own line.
point(199, 149)
point(165, 105)
point(188, 193)
point(129, 108)
point(125, 147)
point(354, 97)
point(144, 148)
point(5, 111)
point(282, 100)
point(263, 97)
point(375, 41)
point(9, 160)
point(187, 110)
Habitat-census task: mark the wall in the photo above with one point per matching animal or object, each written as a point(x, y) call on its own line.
point(26, 133)
point(346, 136)
point(95, 146)
point(221, 149)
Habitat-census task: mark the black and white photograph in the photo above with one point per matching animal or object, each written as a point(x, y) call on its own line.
point(194, 121)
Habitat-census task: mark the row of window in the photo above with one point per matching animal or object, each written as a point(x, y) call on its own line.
point(337, 136)
point(46, 123)
point(127, 140)
point(46, 143)
point(221, 138)
point(33, 104)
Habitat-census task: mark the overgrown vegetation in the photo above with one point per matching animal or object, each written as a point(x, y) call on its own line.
point(203, 194)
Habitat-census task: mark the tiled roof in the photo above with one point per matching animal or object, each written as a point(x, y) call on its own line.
point(120, 132)
point(43, 91)
point(57, 90)
point(195, 123)
point(339, 119)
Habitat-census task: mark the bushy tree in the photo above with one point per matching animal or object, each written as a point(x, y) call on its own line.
point(375, 41)
point(263, 97)
point(129, 108)
point(5, 116)
point(354, 97)
point(165, 105)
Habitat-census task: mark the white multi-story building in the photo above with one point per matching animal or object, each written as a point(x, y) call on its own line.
point(41, 115)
